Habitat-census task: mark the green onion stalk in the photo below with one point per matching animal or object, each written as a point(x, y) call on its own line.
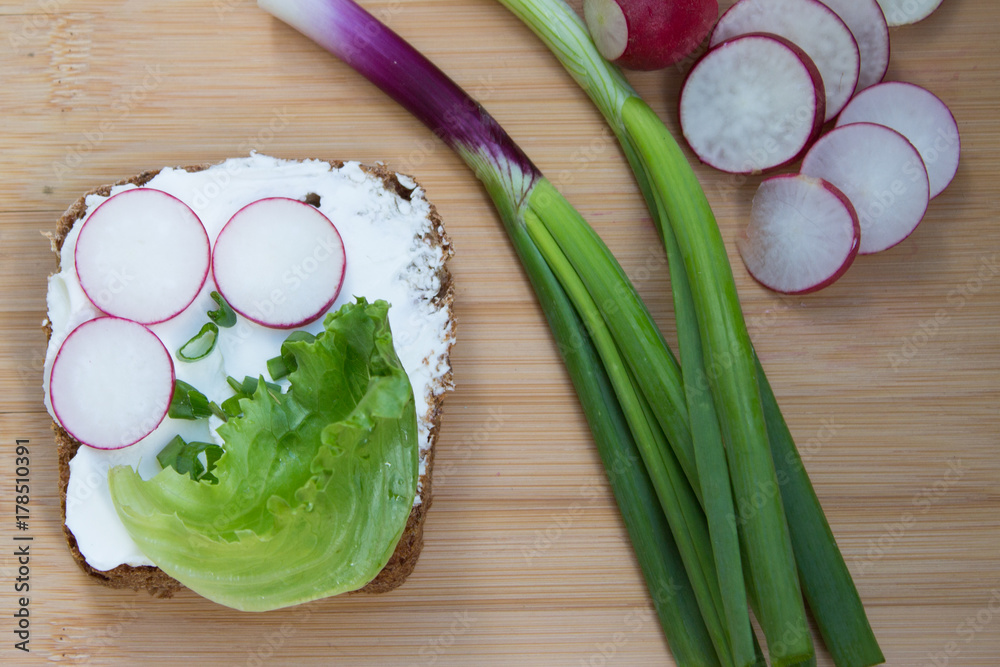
point(789, 529)
point(650, 421)
point(660, 508)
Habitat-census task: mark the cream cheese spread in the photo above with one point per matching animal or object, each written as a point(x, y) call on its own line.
point(388, 257)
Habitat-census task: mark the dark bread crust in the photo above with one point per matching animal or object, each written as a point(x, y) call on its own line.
point(404, 558)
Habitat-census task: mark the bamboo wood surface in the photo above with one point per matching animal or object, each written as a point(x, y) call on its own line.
point(890, 379)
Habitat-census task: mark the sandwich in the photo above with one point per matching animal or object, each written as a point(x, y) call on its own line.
point(245, 372)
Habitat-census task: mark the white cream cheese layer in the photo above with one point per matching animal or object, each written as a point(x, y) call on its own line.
point(387, 258)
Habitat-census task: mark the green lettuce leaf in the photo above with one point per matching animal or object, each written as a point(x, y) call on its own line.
point(315, 485)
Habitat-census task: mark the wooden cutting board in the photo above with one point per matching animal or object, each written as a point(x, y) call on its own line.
point(890, 379)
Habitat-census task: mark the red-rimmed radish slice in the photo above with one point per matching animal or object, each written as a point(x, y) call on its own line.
point(751, 104)
point(881, 173)
point(279, 262)
point(918, 115)
point(810, 25)
point(142, 255)
point(905, 12)
point(111, 383)
point(803, 234)
point(865, 20)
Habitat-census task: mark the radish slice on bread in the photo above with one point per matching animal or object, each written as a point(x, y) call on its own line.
point(111, 383)
point(810, 25)
point(750, 104)
point(803, 234)
point(279, 262)
point(881, 173)
point(918, 115)
point(865, 20)
point(142, 255)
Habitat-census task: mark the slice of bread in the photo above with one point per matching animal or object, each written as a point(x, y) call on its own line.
point(404, 558)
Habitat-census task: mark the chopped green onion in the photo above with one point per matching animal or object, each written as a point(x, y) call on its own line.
point(195, 459)
point(231, 406)
point(201, 344)
point(224, 315)
point(280, 366)
point(248, 387)
point(188, 403)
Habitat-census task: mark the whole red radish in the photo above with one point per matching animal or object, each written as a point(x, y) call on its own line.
point(649, 34)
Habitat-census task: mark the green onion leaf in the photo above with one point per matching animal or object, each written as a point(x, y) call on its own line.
point(224, 315)
point(201, 345)
point(826, 581)
point(195, 459)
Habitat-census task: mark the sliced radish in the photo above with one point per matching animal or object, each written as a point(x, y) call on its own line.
point(810, 25)
point(904, 12)
point(111, 383)
point(142, 255)
point(867, 23)
point(803, 234)
point(751, 104)
point(881, 173)
point(279, 262)
point(648, 34)
point(918, 115)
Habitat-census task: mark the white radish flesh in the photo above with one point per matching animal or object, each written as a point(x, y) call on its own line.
point(803, 234)
point(111, 383)
point(918, 115)
point(810, 25)
point(867, 23)
point(751, 104)
point(279, 262)
point(142, 255)
point(905, 12)
point(881, 173)
point(608, 26)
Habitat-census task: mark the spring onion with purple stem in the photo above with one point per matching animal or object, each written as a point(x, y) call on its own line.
point(706, 301)
point(617, 413)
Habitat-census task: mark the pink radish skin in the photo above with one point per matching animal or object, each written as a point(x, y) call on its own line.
point(881, 173)
point(279, 262)
point(810, 25)
point(649, 34)
point(905, 12)
point(751, 104)
point(918, 115)
point(865, 20)
point(803, 234)
point(142, 255)
point(111, 383)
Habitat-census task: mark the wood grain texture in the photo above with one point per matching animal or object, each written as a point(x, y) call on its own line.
point(890, 379)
